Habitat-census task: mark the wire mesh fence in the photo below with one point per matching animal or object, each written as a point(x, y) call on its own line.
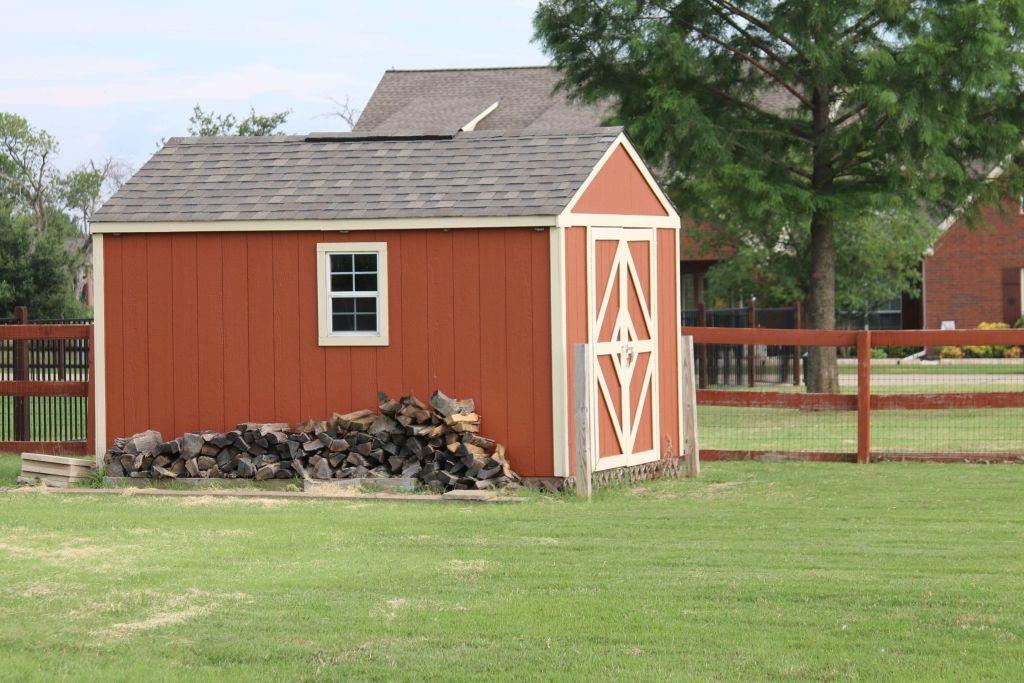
point(921, 406)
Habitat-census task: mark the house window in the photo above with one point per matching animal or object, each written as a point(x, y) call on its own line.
point(353, 293)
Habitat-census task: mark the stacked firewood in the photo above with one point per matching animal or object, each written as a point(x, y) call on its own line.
point(438, 444)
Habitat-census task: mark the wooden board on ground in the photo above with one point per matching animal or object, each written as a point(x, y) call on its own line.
point(53, 470)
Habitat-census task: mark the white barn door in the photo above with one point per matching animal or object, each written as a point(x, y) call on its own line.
point(622, 329)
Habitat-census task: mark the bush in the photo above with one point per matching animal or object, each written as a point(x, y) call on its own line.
point(879, 353)
point(951, 352)
point(988, 351)
point(1013, 352)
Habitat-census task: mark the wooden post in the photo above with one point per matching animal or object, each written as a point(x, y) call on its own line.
point(21, 403)
point(90, 405)
point(864, 396)
point(751, 322)
point(691, 451)
point(581, 414)
point(798, 315)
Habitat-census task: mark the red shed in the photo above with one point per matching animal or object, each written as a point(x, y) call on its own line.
point(284, 278)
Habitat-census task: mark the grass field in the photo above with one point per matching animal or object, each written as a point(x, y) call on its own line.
point(755, 571)
point(922, 431)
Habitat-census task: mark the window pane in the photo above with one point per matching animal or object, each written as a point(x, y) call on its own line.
point(366, 283)
point(344, 322)
point(341, 263)
point(366, 263)
point(341, 283)
point(366, 322)
point(343, 306)
point(366, 304)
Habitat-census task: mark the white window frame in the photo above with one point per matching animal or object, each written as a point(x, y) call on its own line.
point(328, 337)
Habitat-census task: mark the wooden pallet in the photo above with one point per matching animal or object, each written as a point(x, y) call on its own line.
point(53, 470)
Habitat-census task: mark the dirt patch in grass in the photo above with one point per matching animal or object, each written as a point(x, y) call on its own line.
point(469, 569)
point(170, 611)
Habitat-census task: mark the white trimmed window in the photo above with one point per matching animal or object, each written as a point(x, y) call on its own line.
point(352, 278)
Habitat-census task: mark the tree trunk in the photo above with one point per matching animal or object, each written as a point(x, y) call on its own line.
point(822, 369)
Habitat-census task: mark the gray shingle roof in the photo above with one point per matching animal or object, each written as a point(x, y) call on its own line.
point(357, 176)
point(441, 99)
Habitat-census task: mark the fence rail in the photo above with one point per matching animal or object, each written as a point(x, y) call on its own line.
point(45, 380)
point(987, 401)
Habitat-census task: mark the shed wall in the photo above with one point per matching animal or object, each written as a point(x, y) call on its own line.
point(620, 188)
point(204, 331)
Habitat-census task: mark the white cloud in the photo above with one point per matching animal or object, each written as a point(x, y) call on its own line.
point(241, 83)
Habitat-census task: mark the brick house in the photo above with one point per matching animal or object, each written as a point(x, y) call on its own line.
point(975, 276)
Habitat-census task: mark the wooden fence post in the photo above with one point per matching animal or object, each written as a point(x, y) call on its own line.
point(751, 349)
point(21, 363)
point(691, 451)
point(581, 414)
point(864, 396)
point(798, 314)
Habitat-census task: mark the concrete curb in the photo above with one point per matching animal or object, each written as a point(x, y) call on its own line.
point(464, 497)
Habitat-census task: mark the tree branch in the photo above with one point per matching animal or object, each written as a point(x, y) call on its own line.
point(728, 6)
point(750, 60)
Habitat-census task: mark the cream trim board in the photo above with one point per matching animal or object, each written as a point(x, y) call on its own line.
point(99, 341)
point(617, 220)
point(326, 336)
point(560, 408)
point(644, 171)
point(345, 225)
point(471, 126)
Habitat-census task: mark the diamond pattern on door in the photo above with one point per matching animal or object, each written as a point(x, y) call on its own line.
point(623, 344)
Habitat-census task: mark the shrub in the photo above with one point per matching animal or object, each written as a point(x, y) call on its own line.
point(987, 351)
point(879, 353)
point(951, 352)
point(1013, 352)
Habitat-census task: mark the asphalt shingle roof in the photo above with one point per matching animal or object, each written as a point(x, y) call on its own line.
point(442, 100)
point(347, 176)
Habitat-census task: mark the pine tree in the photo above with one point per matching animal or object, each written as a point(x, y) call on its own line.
point(791, 123)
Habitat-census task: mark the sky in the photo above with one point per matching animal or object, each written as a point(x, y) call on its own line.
point(112, 78)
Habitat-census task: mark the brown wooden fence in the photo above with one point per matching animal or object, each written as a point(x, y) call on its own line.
point(864, 402)
point(26, 392)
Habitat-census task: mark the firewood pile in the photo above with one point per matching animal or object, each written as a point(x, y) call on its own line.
point(438, 444)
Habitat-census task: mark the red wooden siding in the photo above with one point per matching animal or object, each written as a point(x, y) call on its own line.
point(620, 188)
point(205, 331)
point(575, 318)
point(668, 341)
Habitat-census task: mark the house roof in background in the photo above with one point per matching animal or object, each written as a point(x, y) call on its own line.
point(447, 99)
point(360, 175)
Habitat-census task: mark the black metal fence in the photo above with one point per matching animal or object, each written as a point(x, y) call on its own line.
point(724, 365)
point(49, 418)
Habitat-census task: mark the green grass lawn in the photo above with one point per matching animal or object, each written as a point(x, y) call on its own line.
point(921, 431)
point(755, 571)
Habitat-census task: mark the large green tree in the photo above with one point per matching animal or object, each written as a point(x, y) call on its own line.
point(38, 269)
point(794, 122)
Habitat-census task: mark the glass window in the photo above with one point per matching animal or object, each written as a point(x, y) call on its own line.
point(353, 293)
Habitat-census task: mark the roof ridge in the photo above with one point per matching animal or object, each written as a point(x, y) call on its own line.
point(471, 68)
